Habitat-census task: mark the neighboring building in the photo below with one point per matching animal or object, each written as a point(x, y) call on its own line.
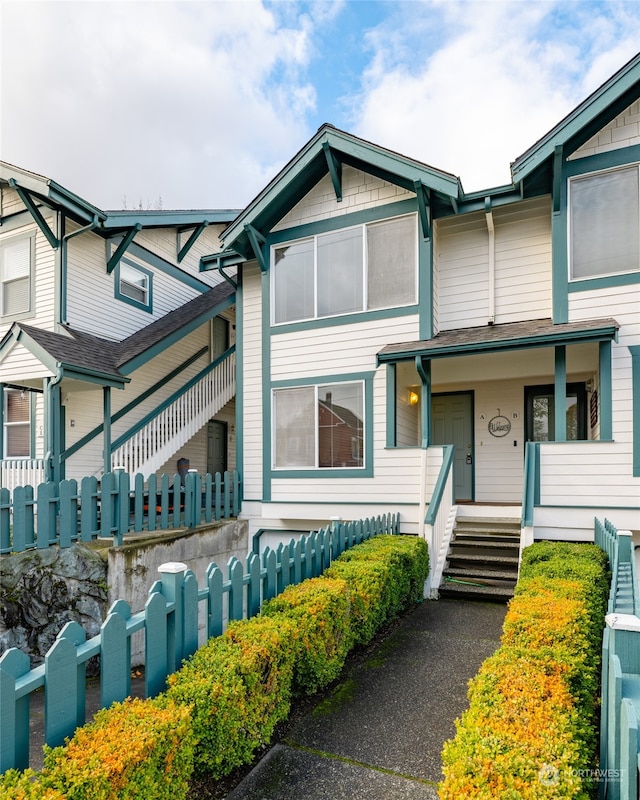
point(109, 335)
point(490, 320)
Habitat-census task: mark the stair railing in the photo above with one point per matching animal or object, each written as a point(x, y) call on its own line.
point(439, 520)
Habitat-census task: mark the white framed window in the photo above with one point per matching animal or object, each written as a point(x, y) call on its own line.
point(320, 426)
point(350, 270)
point(604, 223)
point(134, 285)
point(17, 424)
point(16, 268)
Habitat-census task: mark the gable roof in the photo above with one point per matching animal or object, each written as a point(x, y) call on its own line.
point(603, 105)
point(325, 153)
point(93, 358)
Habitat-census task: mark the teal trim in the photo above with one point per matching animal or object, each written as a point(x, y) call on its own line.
point(240, 381)
point(168, 219)
point(134, 403)
point(448, 451)
point(606, 391)
point(346, 319)
point(106, 416)
point(32, 427)
point(623, 156)
point(259, 246)
point(195, 235)
point(117, 292)
point(73, 372)
point(266, 386)
point(171, 399)
point(604, 282)
point(36, 214)
point(225, 259)
point(556, 190)
point(391, 412)
point(157, 262)
point(560, 393)
point(328, 472)
point(2, 416)
point(559, 248)
point(30, 312)
point(127, 367)
point(635, 406)
point(122, 247)
point(334, 166)
point(423, 366)
point(531, 483)
point(425, 288)
point(362, 217)
point(61, 297)
point(424, 208)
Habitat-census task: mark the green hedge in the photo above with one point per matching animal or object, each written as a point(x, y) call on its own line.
point(531, 728)
point(226, 700)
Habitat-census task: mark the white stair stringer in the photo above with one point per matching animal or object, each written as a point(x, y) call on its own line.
point(150, 447)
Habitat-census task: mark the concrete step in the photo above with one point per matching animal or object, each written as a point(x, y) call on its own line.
point(451, 589)
point(482, 558)
point(482, 574)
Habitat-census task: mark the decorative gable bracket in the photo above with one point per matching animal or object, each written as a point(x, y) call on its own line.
point(195, 234)
point(258, 243)
point(35, 213)
point(424, 207)
point(122, 247)
point(335, 169)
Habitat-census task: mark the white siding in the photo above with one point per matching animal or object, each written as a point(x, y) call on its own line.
point(359, 191)
point(91, 304)
point(252, 382)
point(624, 131)
point(10, 202)
point(20, 366)
point(163, 242)
point(522, 266)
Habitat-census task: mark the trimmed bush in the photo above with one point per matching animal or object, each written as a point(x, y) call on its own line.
point(239, 687)
point(531, 727)
point(27, 785)
point(135, 749)
point(321, 613)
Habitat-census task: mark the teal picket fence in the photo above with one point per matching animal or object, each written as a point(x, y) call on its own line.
point(67, 512)
point(169, 623)
point(619, 769)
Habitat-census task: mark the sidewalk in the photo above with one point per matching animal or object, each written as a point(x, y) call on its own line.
point(379, 735)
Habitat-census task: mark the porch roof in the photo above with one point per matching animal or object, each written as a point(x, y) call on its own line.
point(500, 338)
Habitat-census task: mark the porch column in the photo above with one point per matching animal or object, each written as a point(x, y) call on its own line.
point(423, 367)
point(1, 420)
point(106, 416)
point(560, 394)
point(53, 422)
point(605, 392)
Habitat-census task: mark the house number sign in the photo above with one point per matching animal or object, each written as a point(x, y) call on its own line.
point(499, 426)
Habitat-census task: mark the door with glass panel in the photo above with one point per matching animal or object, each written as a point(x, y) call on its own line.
point(540, 413)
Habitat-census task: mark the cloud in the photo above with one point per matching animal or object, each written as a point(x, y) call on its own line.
point(170, 100)
point(499, 77)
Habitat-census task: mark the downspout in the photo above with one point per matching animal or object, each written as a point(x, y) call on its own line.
point(63, 264)
point(488, 215)
point(52, 427)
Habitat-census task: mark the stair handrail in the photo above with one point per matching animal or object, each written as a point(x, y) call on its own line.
point(151, 415)
point(531, 483)
point(448, 451)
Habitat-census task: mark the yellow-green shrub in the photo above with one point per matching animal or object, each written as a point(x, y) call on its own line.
point(135, 749)
point(239, 687)
point(530, 731)
point(320, 611)
point(27, 785)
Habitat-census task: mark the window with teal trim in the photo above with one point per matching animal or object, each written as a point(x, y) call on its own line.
point(134, 285)
point(604, 223)
point(17, 424)
point(319, 426)
point(354, 269)
point(16, 276)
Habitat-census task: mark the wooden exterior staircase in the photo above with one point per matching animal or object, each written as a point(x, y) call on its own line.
point(482, 560)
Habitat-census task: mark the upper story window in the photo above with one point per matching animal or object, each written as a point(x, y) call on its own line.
point(16, 272)
point(17, 424)
point(346, 271)
point(134, 285)
point(604, 223)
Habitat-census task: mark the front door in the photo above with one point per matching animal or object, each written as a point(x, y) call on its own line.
point(216, 447)
point(452, 423)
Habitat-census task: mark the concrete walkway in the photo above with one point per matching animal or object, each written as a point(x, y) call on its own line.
point(379, 734)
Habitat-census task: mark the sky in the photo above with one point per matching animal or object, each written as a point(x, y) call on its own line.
point(177, 104)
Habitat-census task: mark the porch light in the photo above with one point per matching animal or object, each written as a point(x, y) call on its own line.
point(414, 398)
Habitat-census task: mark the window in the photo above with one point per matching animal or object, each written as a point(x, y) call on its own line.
point(540, 413)
point(133, 285)
point(605, 223)
point(319, 426)
point(17, 424)
point(346, 271)
point(408, 423)
point(16, 257)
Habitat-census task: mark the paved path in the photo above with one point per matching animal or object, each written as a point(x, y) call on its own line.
point(379, 735)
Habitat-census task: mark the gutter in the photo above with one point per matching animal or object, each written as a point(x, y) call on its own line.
point(63, 265)
point(488, 215)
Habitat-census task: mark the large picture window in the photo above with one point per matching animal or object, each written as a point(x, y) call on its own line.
point(16, 264)
point(319, 426)
point(605, 223)
point(354, 269)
